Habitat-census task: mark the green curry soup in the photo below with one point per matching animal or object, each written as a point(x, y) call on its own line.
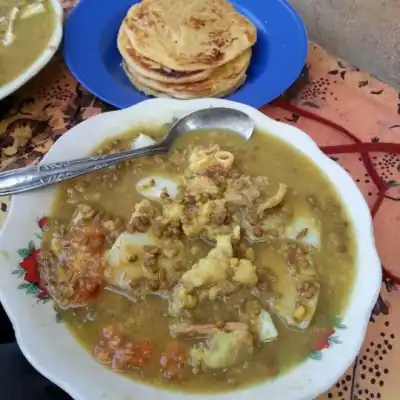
point(224, 278)
point(25, 30)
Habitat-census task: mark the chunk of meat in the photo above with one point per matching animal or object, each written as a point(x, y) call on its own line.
point(244, 272)
point(189, 331)
point(221, 289)
point(274, 200)
point(199, 185)
point(181, 299)
point(211, 269)
point(228, 349)
point(173, 259)
point(199, 218)
point(244, 190)
point(172, 212)
point(216, 274)
point(83, 212)
point(201, 158)
point(142, 216)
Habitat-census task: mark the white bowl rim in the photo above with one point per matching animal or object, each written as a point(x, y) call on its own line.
point(367, 283)
point(42, 60)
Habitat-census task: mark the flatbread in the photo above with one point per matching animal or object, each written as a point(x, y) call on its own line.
point(152, 69)
point(181, 96)
point(222, 80)
point(188, 35)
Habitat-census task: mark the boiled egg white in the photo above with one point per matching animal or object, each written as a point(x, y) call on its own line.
point(152, 187)
point(142, 141)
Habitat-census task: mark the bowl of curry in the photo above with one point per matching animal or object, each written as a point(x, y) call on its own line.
point(30, 33)
point(225, 268)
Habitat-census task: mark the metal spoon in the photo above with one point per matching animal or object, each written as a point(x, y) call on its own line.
point(24, 179)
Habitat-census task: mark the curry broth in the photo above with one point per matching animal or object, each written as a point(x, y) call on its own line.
point(113, 191)
point(31, 37)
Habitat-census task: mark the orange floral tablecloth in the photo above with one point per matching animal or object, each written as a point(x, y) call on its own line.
point(329, 91)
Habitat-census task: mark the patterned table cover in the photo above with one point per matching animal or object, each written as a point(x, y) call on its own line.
point(352, 116)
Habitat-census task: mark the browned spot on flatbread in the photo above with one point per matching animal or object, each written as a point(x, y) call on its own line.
point(173, 73)
point(210, 58)
point(203, 86)
point(216, 38)
point(217, 12)
point(250, 36)
point(195, 23)
point(167, 72)
point(142, 14)
point(219, 42)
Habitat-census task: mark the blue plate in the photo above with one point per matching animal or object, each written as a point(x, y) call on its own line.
point(91, 52)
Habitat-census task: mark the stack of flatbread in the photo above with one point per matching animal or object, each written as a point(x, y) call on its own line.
point(186, 48)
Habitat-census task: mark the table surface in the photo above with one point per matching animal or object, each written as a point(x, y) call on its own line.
point(329, 89)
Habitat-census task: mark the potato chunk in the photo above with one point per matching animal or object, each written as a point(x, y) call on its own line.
point(244, 272)
point(228, 349)
point(211, 269)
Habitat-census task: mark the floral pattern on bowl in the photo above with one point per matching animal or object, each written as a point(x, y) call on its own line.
point(28, 268)
point(327, 339)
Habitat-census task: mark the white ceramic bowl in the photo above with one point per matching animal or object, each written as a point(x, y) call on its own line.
point(57, 355)
point(43, 58)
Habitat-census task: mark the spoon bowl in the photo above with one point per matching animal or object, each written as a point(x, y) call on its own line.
point(211, 118)
point(24, 179)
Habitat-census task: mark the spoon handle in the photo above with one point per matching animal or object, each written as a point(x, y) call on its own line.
point(24, 179)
